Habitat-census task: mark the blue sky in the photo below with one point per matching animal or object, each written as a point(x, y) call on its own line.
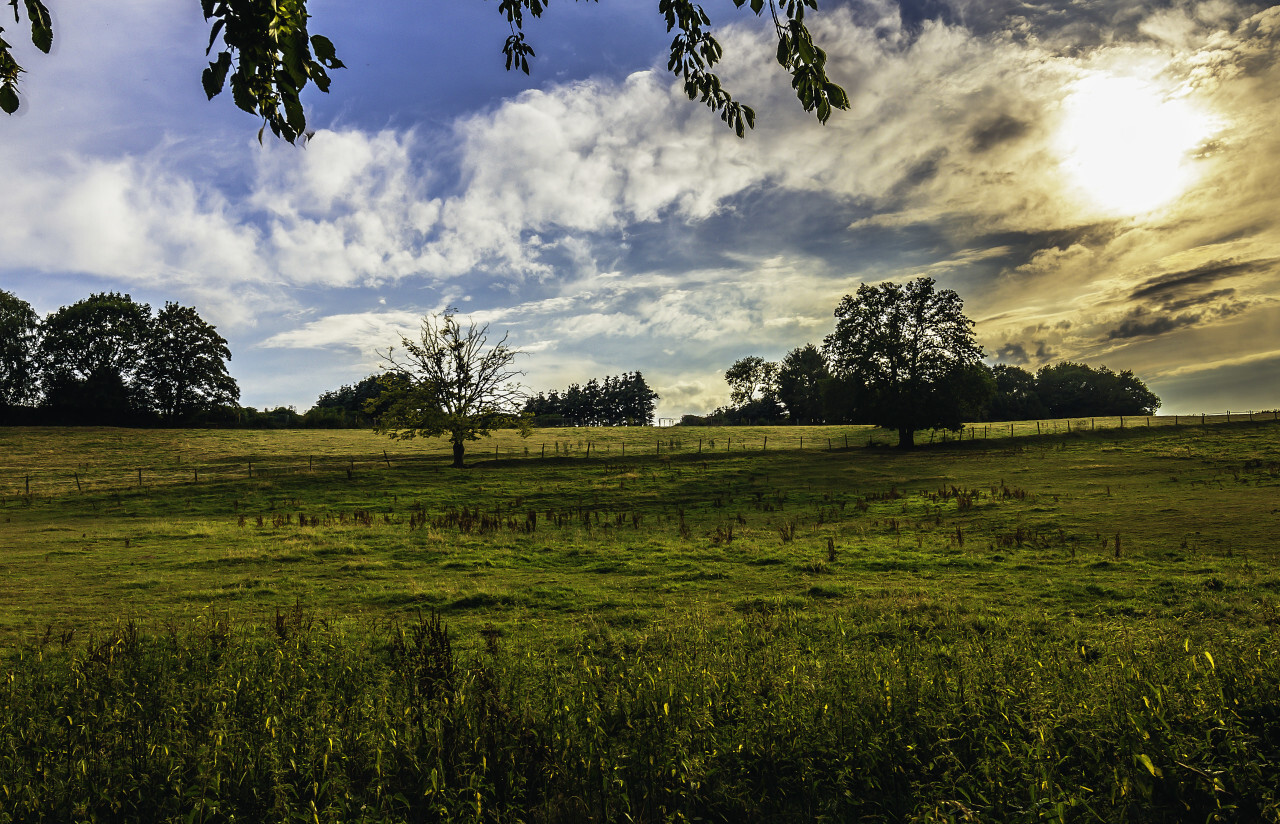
point(1095, 179)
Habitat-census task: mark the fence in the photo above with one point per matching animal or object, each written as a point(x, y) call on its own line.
point(617, 444)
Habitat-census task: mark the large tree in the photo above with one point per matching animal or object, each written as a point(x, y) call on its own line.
point(91, 354)
point(19, 325)
point(912, 352)
point(184, 367)
point(268, 57)
point(452, 382)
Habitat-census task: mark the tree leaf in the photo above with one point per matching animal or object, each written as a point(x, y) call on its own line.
point(41, 25)
point(215, 77)
point(8, 99)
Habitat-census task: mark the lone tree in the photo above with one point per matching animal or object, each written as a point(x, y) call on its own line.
point(450, 382)
point(912, 351)
point(266, 54)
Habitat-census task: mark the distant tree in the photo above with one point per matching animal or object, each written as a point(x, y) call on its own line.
point(19, 327)
point(454, 383)
point(184, 368)
point(1070, 390)
point(622, 400)
point(911, 351)
point(751, 379)
point(1016, 396)
point(799, 381)
point(354, 405)
point(90, 355)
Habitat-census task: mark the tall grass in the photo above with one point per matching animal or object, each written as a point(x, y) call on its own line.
point(914, 716)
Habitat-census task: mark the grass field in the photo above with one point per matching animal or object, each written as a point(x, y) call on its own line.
point(1077, 626)
point(331, 521)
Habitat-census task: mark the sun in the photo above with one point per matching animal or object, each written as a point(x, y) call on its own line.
point(1127, 145)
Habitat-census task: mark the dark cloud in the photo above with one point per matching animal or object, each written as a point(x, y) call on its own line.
point(1000, 129)
point(1170, 290)
point(920, 172)
point(1016, 353)
point(915, 13)
point(1197, 300)
point(1142, 322)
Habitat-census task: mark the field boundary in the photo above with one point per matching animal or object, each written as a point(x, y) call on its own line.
point(587, 443)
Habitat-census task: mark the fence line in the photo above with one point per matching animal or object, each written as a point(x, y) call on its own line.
point(34, 483)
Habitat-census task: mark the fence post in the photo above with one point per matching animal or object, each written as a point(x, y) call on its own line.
point(765, 448)
point(139, 476)
point(28, 484)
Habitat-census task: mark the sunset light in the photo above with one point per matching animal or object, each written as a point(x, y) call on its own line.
point(1127, 146)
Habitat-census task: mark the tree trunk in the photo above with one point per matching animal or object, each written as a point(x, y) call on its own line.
point(457, 454)
point(906, 438)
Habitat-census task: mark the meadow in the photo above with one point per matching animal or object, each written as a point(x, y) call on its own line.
point(671, 624)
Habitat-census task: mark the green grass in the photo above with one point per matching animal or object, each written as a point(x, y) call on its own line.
point(1016, 525)
point(1074, 627)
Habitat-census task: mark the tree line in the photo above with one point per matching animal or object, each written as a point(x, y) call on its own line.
point(621, 400)
point(110, 360)
point(905, 357)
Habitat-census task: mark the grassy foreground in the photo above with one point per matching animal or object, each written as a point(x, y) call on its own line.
point(1070, 628)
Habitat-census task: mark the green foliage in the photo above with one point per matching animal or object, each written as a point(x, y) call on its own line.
point(41, 38)
point(268, 58)
point(912, 352)
point(1024, 629)
point(751, 379)
point(19, 326)
point(185, 369)
point(357, 405)
point(624, 400)
point(92, 354)
point(107, 360)
point(800, 377)
point(1077, 390)
point(767, 717)
point(1016, 396)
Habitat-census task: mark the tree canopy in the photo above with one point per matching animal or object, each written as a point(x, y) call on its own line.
point(1070, 389)
point(451, 382)
point(267, 55)
point(107, 360)
point(800, 377)
point(19, 325)
point(624, 400)
point(185, 367)
point(912, 352)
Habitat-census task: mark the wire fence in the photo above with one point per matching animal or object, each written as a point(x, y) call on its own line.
point(19, 484)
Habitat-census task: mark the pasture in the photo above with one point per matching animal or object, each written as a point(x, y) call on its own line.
point(666, 624)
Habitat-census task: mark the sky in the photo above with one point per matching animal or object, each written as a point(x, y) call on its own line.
point(1096, 179)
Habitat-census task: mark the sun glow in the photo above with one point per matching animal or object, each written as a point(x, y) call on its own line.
point(1126, 145)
